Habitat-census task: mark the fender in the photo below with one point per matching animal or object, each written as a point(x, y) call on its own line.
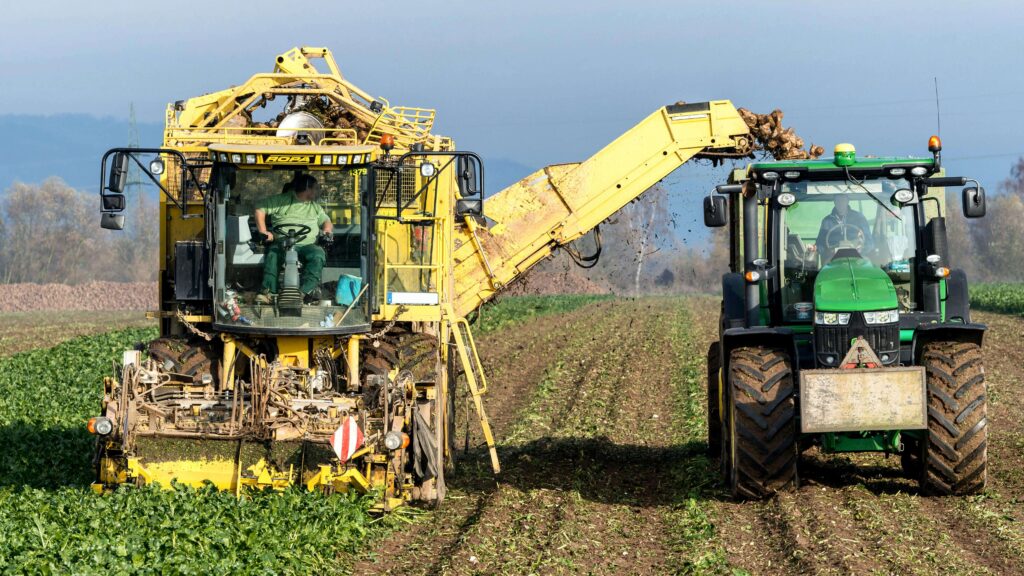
point(734, 338)
point(956, 332)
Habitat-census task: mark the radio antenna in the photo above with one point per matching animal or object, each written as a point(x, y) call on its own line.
point(938, 114)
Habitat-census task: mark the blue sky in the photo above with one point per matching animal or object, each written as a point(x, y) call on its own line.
point(536, 83)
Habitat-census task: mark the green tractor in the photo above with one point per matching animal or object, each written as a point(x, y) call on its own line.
point(844, 325)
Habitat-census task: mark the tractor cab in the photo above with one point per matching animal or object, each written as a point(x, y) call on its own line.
point(840, 270)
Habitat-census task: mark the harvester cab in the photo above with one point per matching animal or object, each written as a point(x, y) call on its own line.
point(844, 324)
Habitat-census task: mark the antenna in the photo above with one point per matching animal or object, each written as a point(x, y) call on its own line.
point(134, 182)
point(938, 114)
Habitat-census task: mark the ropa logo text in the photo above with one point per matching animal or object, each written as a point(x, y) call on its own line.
point(287, 159)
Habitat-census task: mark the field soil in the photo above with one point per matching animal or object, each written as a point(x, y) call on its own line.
point(88, 296)
point(20, 331)
point(599, 414)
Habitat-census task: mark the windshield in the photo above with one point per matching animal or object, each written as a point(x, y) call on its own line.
point(842, 218)
point(307, 272)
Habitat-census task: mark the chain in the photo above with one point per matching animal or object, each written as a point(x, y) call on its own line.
point(387, 328)
point(192, 327)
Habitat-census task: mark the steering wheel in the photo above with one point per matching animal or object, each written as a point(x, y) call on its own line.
point(293, 232)
point(839, 237)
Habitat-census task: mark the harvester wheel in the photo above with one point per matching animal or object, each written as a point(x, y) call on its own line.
point(762, 411)
point(714, 414)
point(180, 356)
point(954, 456)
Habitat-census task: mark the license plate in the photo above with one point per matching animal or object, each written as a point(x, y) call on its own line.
point(863, 399)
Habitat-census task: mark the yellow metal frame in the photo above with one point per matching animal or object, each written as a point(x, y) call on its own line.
point(568, 200)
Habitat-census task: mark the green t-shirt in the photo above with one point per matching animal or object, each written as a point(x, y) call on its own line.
point(288, 209)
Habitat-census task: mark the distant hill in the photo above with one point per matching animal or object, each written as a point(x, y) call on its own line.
point(33, 148)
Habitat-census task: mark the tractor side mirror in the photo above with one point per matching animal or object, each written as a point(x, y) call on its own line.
point(466, 173)
point(974, 202)
point(112, 202)
point(112, 221)
point(118, 173)
point(715, 212)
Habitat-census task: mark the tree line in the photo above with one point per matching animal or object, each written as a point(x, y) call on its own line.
point(50, 233)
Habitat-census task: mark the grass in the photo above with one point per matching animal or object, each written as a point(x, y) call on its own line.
point(51, 522)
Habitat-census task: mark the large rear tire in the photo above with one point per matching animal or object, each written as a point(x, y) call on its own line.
point(714, 365)
point(955, 453)
point(762, 412)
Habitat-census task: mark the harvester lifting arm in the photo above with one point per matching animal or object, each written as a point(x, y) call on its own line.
point(561, 203)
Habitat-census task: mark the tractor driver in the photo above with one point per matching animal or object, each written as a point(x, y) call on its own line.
point(294, 207)
point(841, 227)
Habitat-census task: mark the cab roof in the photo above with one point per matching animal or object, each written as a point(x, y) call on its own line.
point(830, 164)
point(290, 149)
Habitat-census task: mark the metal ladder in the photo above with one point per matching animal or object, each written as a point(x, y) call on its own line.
point(475, 378)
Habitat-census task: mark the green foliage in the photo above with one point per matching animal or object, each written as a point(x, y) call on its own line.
point(52, 523)
point(1000, 297)
point(514, 310)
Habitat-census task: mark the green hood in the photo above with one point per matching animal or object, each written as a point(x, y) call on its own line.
point(853, 285)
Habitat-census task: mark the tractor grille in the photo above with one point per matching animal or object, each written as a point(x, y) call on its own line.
point(834, 341)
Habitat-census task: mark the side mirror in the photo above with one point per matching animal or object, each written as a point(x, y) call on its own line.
point(974, 202)
point(466, 174)
point(469, 206)
point(715, 212)
point(111, 221)
point(112, 202)
point(118, 173)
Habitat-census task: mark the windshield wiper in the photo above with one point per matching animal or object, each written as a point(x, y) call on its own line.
point(860, 183)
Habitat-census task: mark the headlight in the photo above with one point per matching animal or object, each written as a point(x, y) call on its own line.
point(832, 318)
point(903, 195)
point(786, 199)
point(327, 159)
point(882, 317)
point(770, 176)
point(918, 170)
point(393, 440)
point(101, 426)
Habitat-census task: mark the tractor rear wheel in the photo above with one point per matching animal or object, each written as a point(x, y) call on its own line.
point(954, 455)
point(762, 413)
point(714, 363)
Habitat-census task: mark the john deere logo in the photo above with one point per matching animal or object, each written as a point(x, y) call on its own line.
point(287, 160)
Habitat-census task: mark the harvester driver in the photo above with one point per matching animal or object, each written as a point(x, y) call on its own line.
point(843, 228)
point(292, 209)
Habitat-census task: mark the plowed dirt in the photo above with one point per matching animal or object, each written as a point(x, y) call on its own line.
point(600, 419)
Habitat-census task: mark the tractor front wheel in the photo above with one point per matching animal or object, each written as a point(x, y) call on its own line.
point(762, 418)
point(954, 455)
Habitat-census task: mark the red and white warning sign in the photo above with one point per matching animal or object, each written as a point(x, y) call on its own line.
point(347, 439)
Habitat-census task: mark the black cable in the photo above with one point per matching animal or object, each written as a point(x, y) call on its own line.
point(586, 262)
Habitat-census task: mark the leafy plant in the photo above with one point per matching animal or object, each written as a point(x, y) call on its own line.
point(1000, 297)
point(514, 310)
point(52, 523)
